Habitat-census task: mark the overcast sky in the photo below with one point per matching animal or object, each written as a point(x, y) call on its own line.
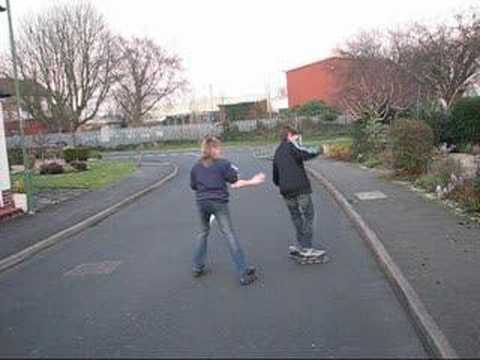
point(239, 47)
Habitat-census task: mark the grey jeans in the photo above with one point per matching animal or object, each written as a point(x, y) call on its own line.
point(224, 221)
point(302, 213)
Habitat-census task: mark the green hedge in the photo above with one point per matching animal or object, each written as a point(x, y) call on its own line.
point(79, 165)
point(15, 156)
point(73, 154)
point(315, 108)
point(369, 138)
point(464, 122)
point(412, 146)
point(51, 169)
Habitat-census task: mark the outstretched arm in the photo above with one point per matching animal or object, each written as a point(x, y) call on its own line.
point(256, 180)
point(301, 153)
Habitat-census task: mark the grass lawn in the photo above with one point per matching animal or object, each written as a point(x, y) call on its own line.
point(309, 141)
point(254, 141)
point(336, 140)
point(100, 173)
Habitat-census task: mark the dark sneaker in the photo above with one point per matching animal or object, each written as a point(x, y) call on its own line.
point(248, 277)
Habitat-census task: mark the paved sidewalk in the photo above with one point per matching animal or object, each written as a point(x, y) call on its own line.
point(437, 251)
point(20, 233)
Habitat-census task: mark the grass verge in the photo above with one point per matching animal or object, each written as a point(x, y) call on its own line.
point(254, 141)
point(100, 174)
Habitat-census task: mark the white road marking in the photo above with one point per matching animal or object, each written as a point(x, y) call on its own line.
point(371, 195)
point(100, 268)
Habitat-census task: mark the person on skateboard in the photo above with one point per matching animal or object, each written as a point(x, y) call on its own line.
point(209, 178)
point(290, 177)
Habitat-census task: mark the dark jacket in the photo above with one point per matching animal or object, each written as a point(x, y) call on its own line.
point(210, 182)
point(288, 170)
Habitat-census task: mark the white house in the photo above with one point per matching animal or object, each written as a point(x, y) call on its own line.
point(7, 206)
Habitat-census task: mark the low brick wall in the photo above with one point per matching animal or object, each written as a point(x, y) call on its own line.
point(7, 199)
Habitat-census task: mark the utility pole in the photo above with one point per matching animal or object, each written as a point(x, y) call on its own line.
point(212, 105)
point(27, 172)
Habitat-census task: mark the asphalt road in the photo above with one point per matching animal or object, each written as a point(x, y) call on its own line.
point(143, 302)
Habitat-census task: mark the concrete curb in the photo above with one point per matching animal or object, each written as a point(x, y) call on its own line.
point(432, 337)
point(25, 254)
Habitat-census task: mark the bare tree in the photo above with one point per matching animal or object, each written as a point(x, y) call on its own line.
point(444, 58)
point(148, 76)
point(375, 86)
point(365, 44)
point(68, 52)
point(378, 88)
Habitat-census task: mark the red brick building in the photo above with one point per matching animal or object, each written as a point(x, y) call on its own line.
point(324, 80)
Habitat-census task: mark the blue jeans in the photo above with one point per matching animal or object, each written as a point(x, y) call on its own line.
point(302, 213)
point(222, 216)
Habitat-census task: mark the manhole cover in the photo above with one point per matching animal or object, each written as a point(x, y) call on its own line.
point(371, 195)
point(100, 268)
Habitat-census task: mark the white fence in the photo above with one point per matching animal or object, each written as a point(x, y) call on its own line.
point(111, 137)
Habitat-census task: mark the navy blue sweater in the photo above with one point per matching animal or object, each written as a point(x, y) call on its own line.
point(210, 182)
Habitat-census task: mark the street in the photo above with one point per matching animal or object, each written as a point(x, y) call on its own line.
point(141, 300)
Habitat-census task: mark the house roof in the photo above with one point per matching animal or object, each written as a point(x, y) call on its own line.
point(28, 87)
point(4, 95)
point(242, 103)
point(324, 61)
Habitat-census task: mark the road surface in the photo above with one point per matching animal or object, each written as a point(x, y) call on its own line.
point(124, 289)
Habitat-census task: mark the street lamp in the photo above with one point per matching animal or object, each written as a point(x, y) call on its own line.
point(26, 174)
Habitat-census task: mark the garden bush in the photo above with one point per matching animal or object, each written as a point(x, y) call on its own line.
point(79, 165)
point(95, 154)
point(436, 117)
point(342, 152)
point(72, 154)
point(429, 182)
point(19, 186)
point(51, 168)
point(444, 168)
point(360, 141)
point(15, 156)
point(373, 162)
point(476, 184)
point(369, 138)
point(231, 132)
point(412, 146)
point(464, 121)
point(317, 108)
point(467, 196)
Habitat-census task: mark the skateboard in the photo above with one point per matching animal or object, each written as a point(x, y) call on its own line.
point(302, 260)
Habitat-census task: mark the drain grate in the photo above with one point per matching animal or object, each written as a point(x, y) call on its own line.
point(99, 268)
point(371, 195)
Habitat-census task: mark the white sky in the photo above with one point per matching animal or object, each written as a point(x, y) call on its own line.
point(239, 47)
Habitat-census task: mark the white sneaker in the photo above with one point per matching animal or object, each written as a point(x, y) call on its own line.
point(293, 249)
point(311, 252)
